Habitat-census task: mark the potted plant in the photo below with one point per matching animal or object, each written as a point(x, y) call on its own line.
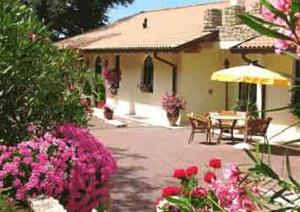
point(173, 104)
point(112, 78)
point(108, 112)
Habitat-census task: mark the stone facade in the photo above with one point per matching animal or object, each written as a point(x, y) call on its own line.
point(230, 26)
point(230, 15)
point(236, 33)
point(212, 19)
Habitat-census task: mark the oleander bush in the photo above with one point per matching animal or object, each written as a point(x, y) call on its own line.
point(68, 164)
point(39, 83)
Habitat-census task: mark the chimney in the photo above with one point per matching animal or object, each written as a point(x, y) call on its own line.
point(212, 19)
point(230, 13)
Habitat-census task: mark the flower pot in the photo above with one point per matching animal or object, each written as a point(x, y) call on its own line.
point(173, 118)
point(108, 115)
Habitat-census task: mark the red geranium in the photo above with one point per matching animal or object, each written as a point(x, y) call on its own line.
point(210, 177)
point(200, 192)
point(193, 170)
point(171, 191)
point(179, 173)
point(215, 163)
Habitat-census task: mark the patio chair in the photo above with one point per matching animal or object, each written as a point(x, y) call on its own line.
point(200, 124)
point(259, 127)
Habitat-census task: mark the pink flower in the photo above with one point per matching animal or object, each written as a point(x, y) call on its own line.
point(231, 172)
point(200, 192)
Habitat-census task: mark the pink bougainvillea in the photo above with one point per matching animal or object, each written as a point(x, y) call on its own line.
point(68, 164)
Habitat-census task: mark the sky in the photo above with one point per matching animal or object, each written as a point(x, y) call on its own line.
point(140, 5)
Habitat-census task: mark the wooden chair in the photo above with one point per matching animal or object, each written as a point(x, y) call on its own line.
point(200, 124)
point(259, 127)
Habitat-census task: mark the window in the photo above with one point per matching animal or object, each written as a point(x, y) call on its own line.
point(147, 77)
point(296, 93)
point(98, 66)
point(117, 68)
point(246, 89)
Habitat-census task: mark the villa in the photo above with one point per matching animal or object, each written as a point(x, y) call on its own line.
point(176, 50)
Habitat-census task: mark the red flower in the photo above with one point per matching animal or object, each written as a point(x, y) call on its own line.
point(210, 177)
point(179, 174)
point(171, 191)
point(193, 170)
point(215, 163)
point(200, 192)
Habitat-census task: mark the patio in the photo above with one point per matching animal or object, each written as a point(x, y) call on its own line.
point(147, 155)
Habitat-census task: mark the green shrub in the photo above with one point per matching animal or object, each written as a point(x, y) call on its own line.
point(241, 105)
point(39, 84)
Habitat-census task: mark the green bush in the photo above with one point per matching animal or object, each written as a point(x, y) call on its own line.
point(241, 105)
point(39, 84)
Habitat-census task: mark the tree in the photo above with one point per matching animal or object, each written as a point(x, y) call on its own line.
point(38, 83)
point(72, 17)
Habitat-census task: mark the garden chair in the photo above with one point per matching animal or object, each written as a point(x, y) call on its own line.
point(200, 124)
point(259, 127)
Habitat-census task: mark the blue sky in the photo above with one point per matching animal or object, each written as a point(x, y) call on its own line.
point(140, 5)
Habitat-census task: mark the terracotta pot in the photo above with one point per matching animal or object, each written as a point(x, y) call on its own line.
point(173, 118)
point(108, 115)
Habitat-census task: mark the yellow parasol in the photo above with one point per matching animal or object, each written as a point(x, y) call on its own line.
point(250, 74)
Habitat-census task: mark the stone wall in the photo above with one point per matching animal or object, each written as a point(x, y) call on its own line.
point(230, 15)
point(212, 19)
point(236, 33)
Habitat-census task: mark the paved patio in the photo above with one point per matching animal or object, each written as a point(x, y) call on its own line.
point(147, 155)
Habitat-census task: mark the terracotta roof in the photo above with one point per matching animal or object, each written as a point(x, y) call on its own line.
point(167, 29)
point(261, 42)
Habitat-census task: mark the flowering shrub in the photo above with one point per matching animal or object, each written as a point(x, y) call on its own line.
point(281, 20)
point(231, 195)
point(68, 164)
point(173, 103)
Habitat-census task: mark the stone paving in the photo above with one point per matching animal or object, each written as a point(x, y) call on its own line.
point(147, 155)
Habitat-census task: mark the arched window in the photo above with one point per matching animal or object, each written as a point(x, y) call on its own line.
point(147, 77)
point(98, 66)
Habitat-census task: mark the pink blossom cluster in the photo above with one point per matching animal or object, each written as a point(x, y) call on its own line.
point(284, 25)
point(230, 194)
point(173, 103)
point(68, 164)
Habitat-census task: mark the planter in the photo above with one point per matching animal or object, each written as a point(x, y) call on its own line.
point(108, 115)
point(173, 118)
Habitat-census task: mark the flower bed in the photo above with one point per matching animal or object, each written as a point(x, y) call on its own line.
point(234, 194)
point(68, 164)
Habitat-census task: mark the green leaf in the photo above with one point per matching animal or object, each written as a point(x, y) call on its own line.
point(295, 6)
point(277, 194)
point(183, 203)
point(251, 156)
point(259, 27)
point(269, 171)
point(289, 170)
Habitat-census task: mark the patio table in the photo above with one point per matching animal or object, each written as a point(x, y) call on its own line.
point(222, 118)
